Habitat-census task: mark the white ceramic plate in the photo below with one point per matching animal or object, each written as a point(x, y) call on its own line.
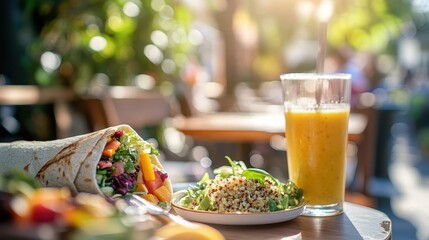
point(234, 218)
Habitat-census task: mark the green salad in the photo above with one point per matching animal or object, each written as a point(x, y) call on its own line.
point(236, 188)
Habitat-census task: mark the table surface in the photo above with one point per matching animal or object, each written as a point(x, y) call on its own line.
point(32, 95)
point(357, 222)
point(248, 126)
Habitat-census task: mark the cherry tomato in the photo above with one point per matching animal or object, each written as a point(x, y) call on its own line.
point(154, 184)
point(119, 168)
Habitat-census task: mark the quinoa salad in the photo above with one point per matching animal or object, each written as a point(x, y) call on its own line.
point(237, 188)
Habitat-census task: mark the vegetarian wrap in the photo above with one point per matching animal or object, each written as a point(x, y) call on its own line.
point(112, 162)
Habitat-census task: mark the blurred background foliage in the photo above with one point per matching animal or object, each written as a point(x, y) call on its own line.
point(369, 25)
point(117, 42)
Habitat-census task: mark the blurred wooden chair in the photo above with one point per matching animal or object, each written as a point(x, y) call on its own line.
point(359, 190)
point(31, 95)
point(125, 105)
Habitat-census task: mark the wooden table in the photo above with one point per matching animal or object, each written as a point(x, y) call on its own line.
point(248, 127)
point(34, 95)
point(357, 222)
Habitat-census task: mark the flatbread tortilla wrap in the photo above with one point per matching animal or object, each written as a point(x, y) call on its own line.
point(112, 161)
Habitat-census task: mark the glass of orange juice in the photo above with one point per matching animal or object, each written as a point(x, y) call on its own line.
point(317, 108)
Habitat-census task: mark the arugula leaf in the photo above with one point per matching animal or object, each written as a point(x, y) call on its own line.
point(237, 166)
point(123, 139)
point(284, 201)
point(234, 166)
point(257, 174)
point(162, 204)
point(197, 193)
point(205, 178)
point(205, 203)
point(129, 166)
point(186, 200)
point(223, 171)
point(272, 205)
point(300, 193)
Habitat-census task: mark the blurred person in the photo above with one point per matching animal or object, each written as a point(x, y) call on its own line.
point(344, 60)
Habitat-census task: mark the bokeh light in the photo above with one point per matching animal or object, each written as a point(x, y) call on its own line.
point(131, 9)
point(157, 5)
point(168, 66)
point(195, 37)
point(145, 81)
point(159, 38)
point(50, 61)
point(97, 43)
point(153, 53)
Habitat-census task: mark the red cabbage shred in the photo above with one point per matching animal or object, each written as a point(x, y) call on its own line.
point(123, 183)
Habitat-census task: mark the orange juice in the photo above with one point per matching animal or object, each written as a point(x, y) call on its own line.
point(316, 152)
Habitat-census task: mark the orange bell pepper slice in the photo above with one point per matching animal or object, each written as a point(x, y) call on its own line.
point(146, 166)
point(151, 198)
point(110, 148)
point(163, 194)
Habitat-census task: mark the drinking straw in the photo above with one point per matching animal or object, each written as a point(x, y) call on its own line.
point(324, 12)
point(323, 28)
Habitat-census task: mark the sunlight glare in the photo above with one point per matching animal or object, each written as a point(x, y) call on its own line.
point(97, 43)
point(153, 53)
point(157, 5)
point(304, 9)
point(195, 37)
point(131, 9)
point(50, 61)
point(159, 38)
point(168, 66)
point(145, 81)
point(326, 9)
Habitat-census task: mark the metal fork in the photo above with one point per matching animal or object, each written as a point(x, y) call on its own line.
point(201, 231)
point(142, 206)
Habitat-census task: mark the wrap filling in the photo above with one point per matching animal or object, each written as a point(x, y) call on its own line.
point(126, 167)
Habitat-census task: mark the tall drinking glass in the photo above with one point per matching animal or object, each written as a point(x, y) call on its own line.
point(317, 108)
